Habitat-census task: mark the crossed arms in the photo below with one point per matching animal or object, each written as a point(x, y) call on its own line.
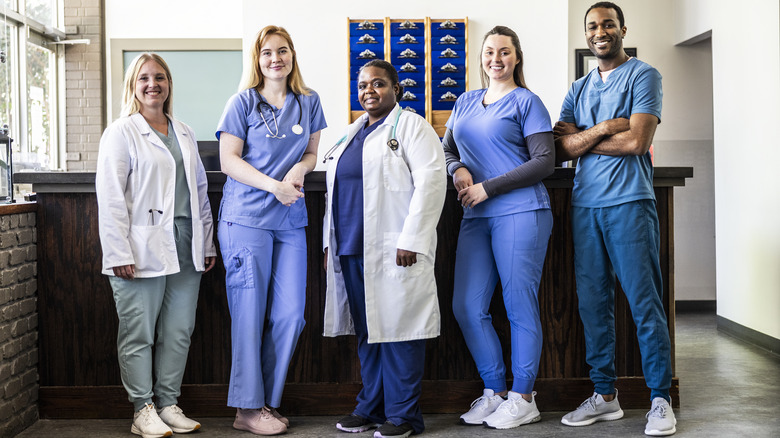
point(613, 137)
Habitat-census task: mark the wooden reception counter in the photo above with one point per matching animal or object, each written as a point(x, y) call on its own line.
point(79, 374)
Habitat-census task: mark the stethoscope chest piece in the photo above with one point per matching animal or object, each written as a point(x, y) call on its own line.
point(297, 129)
point(392, 144)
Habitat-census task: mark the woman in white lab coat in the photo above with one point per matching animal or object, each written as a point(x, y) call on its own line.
point(156, 232)
point(386, 183)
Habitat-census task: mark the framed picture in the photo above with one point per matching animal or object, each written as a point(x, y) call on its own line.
point(585, 61)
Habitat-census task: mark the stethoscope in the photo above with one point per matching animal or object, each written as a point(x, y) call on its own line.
point(297, 129)
point(392, 143)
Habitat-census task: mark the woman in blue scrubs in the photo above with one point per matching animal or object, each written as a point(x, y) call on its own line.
point(499, 147)
point(268, 138)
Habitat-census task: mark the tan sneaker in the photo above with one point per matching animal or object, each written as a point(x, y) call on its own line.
point(175, 419)
point(258, 421)
point(148, 424)
point(279, 416)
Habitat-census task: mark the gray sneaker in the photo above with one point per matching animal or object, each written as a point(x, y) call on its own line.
point(592, 410)
point(660, 419)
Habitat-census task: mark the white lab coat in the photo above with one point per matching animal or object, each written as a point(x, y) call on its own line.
point(136, 173)
point(403, 195)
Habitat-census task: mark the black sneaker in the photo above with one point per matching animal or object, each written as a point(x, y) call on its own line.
point(354, 424)
point(390, 430)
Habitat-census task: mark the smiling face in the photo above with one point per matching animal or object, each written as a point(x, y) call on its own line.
point(276, 58)
point(151, 86)
point(499, 58)
point(376, 92)
point(604, 34)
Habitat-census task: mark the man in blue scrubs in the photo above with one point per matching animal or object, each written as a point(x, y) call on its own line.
point(608, 121)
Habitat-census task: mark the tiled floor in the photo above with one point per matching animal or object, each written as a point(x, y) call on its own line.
point(727, 389)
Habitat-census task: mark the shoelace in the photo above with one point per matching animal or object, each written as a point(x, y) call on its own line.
point(479, 402)
point(589, 404)
point(509, 406)
point(175, 409)
point(146, 413)
point(265, 414)
point(658, 411)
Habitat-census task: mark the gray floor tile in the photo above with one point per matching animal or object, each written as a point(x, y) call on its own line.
point(727, 389)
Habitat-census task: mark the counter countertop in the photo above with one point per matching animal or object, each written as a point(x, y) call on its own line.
point(54, 181)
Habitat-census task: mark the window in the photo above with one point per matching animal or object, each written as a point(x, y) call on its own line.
point(28, 80)
point(40, 66)
point(7, 97)
point(41, 10)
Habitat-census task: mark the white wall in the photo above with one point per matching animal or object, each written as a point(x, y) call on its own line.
point(173, 19)
point(319, 31)
point(684, 137)
point(170, 19)
point(746, 111)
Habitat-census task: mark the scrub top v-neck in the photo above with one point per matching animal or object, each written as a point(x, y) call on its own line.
point(491, 142)
point(250, 206)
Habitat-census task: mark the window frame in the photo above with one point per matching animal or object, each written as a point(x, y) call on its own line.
point(24, 31)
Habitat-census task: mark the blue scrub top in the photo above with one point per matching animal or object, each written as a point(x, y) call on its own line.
point(250, 206)
point(604, 181)
point(491, 142)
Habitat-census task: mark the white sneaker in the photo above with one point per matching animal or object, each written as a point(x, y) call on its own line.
point(148, 424)
point(175, 419)
point(481, 408)
point(513, 412)
point(660, 419)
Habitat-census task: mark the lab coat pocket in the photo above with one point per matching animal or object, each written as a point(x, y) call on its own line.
point(389, 252)
point(397, 176)
point(239, 269)
point(148, 244)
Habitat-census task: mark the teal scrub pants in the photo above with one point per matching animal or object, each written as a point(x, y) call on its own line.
point(622, 240)
point(165, 305)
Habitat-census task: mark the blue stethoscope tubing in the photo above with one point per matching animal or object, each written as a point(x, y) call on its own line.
point(392, 143)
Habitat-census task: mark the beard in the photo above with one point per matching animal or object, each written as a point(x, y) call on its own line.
point(615, 49)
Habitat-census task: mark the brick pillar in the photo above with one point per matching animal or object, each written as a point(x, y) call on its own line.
point(18, 322)
point(84, 83)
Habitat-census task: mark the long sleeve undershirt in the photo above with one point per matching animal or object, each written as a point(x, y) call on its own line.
point(541, 165)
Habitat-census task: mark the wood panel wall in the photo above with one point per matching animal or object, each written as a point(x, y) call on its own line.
point(79, 375)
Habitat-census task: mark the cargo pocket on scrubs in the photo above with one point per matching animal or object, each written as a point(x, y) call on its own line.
point(239, 269)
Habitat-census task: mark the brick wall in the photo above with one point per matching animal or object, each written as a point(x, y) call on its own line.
point(18, 319)
point(84, 83)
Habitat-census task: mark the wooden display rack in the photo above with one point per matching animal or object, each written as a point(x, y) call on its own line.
point(437, 118)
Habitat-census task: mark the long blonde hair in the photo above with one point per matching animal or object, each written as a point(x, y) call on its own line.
point(253, 77)
point(130, 104)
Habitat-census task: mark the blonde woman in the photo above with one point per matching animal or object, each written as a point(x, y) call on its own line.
point(156, 233)
point(268, 138)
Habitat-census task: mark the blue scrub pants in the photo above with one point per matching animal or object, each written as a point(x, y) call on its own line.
point(166, 304)
point(510, 248)
point(391, 371)
point(623, 240)
point(266, 291)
